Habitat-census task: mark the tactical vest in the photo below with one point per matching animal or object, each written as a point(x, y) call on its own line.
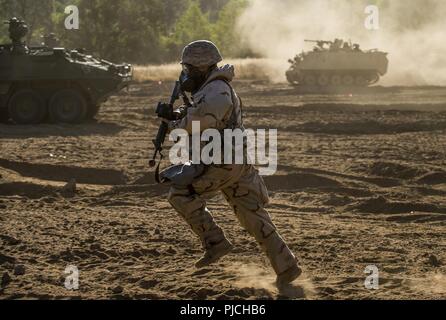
point(231, 119)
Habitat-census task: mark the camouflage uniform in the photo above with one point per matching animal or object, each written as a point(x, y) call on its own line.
point(217, 106)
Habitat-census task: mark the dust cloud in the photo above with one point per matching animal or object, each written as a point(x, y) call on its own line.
point(412, 32)
point(254, 276)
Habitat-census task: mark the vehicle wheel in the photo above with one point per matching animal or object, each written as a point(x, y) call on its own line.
point(310, 80)
point(336, 80)
point(373, 79)
point(348, 80)
point(290, 76)
point(4, 115)
point(27, 107)
point(323, 80)
point(92, 111)
point(361, 81)
point(67, 106)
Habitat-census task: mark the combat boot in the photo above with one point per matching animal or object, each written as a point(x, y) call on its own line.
point(214, 253)
point(288, 275)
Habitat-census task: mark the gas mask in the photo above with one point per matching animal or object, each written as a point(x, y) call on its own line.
point(191, 78)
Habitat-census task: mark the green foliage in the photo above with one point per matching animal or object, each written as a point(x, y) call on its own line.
point(212, 8)
point(192, 25)
point(35, 13)
point(117, 30)
point(137, 31)
point(224, 31)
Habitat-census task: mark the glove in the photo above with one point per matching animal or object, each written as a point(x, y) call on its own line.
point(180, 113)
point(165, 111)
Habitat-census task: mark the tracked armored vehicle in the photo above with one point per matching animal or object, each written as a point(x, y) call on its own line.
point(55, 84)
point(337, 63)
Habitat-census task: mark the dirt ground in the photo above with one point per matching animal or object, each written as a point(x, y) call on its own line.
point(361, 181)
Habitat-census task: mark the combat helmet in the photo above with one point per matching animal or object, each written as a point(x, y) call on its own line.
point(201, 53)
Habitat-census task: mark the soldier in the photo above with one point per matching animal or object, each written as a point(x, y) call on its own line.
point(18, 30)
point(217, 106)
point(336, 45)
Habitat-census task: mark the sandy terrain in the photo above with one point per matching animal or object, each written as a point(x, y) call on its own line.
point(361, 181)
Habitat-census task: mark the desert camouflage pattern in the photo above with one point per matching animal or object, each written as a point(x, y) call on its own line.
point(216, 106)
point(201, 53)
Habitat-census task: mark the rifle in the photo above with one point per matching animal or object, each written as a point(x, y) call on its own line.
point(165, 111)
point(320, 43)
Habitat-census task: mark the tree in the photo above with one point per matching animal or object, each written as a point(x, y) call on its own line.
point(192, 25)
point(212, 8)
point(224, 31)
point(118, 30)
point(136, 31)
point(35, 13)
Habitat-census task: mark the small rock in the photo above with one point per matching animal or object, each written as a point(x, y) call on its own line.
point(95, 247)
point(328, 290)
point(6, 279)
point(171, 250)
point(157, 231)
point(117, 290)
point(203, 293)
point(19, 270)
point(433, 261)
point(70, 187)
point(148, 284)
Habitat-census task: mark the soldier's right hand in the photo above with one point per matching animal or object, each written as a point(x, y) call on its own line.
point(165, 111)
point(180, 113)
